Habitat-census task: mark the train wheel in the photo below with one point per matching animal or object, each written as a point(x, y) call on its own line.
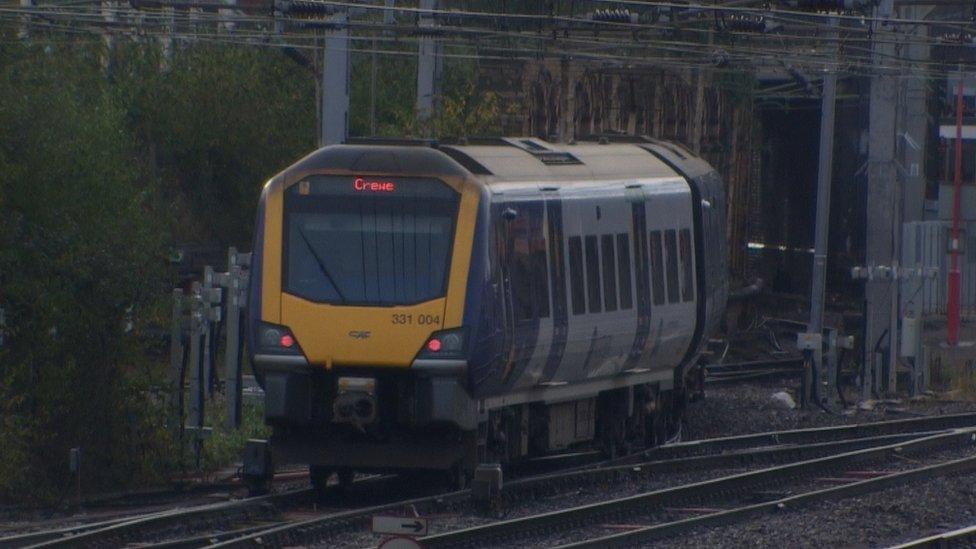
point(320, 479)
point(257, 487)
point(458, 476)
point(611, 424)
point(345, 478)
point(657, 423)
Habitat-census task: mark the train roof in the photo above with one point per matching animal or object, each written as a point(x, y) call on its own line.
point(514, 159)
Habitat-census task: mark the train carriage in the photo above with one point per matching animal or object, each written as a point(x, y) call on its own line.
point(432, 306)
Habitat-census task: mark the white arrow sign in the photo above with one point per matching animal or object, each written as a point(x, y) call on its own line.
point(409, 526)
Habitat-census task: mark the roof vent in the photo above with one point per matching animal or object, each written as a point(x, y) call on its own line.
point(532, 146)
point(465, 160)
point(554, 158)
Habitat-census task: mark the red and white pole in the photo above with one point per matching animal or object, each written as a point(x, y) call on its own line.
point(952, 309)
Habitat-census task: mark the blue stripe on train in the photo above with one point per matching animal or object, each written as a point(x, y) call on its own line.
point(557, 282)
point(641, 264)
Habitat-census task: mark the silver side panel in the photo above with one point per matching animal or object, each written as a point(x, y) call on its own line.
point(551, 393)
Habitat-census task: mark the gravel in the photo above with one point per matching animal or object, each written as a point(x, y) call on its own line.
point(748, 408)
point(726, 410)
point(881, 519)
point(765, 493)
point(910, 512)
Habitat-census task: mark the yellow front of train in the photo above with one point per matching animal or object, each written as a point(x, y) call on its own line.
point(359, 280)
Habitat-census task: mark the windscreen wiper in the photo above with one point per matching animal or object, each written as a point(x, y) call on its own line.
point(319, 262)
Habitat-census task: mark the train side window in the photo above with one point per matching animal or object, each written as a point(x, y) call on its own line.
point(671, 245)
point(593, 274)
point(623, 271)
point(576, 274)
point(657, 267)
point(528, 267)
point(519, 269)
point(609, 260)
point(684, 249)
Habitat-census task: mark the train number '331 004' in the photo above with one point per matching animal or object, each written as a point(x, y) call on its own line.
point(419, 319)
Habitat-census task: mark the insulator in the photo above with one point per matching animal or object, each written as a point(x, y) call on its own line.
point(829, 5)
point(652, 15)
point(307, 7)
point(958, 38)
point(255, 6)
point(720, 58)
point(614, 15)
point(741, 22)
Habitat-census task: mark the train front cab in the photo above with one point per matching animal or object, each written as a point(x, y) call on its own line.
point(357, 309)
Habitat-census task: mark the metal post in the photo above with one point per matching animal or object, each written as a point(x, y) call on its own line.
point(914, 127)
point(192, 18)
point(194, 368)
point(176, 355)
point(279, 19)
point(226, 16)
point(335, 83)
point(818, 286)
point(567, 107)
point(881, 185)
point(426, 68)
point(74, 466)
point(372, 90)
point(824, 172)
point(232, 363)
point(698, 119)
point(207, 329)
point(952, 308)
point(915, 119)
point(166, 39)
point(25, 20)
point(108, 16)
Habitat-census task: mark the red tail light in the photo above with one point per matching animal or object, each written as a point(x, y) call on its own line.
point(434, 345)
point(286, 340)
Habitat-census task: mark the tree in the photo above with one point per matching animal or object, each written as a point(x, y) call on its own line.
point(80, 254)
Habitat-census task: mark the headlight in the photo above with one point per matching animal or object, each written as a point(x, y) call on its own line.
point(445, 344)
point(278, 339)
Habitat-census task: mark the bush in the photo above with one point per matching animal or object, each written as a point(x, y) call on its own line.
point(214, 125)
point(80, 255)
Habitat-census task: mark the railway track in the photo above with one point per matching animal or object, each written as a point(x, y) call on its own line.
point(775, 447)
point(963, 537)
point(122, 530)
point(813, 434)
point(112, 509)
point(851, 489)
point(527, 529)
point(258, 521)
point(755, 369)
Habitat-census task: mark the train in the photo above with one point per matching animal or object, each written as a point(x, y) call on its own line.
point(431, 306)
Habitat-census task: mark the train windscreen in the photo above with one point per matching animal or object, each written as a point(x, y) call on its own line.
point(368, 240)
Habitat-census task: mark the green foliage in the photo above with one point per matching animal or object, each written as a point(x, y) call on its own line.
point(226, 445)
point(80, 251)
point(215, 126)
point(99, 173)
point(460, 110)
point(395, 88)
